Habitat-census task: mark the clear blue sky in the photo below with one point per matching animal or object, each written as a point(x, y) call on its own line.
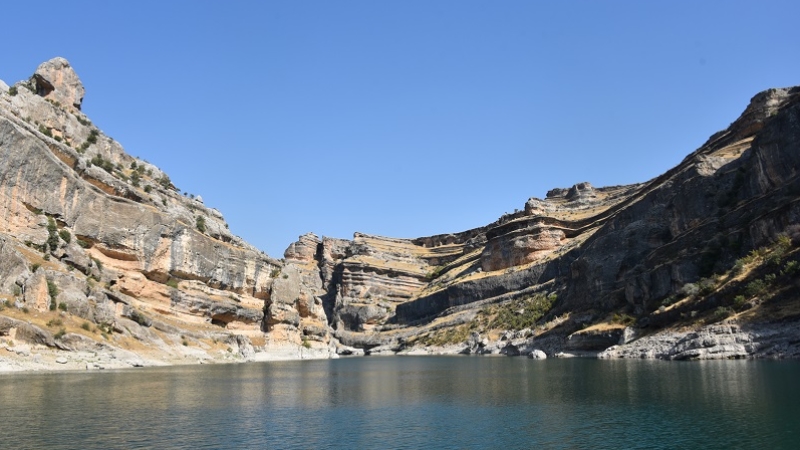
point(405, 118)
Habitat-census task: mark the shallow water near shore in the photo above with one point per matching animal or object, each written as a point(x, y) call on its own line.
point(409, 402)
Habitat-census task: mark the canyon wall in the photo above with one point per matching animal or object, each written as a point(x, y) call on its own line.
point(103, 243)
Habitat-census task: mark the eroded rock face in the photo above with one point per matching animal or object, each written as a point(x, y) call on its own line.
point(518, 245)
point(56, 80)
point(631, 247)
point(90, 231)
point(600, 249)
point(104, 237)
point(304, 250)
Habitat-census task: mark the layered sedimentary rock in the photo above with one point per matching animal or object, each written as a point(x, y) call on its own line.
point(294, 309)
point(108, 231)
point(628, 249)
point(102, 250)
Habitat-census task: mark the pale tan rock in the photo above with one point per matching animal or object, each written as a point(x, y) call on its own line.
point(56, 79)
point(166, 274)
point(304, 249)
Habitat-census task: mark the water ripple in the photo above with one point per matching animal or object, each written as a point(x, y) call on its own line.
point(408, 403)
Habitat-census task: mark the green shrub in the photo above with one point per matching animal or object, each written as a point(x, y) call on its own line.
point(135, 178)
point(55, 323)
point(52, 240)
point(522, 313)
point(86, 326)
point(60, 334)
point(102, 163)
point(35, 266)
point(738, 266)
point(52, 291)
point(92, 139)
point(435, 272)
point(721, 313)
point(739, 302)
point(84, 244)
point(275, 272)
point(83, 121)
point(623, 319)
point(201, 224)
point(783, 244)
point(165, 182)
point(98, 263)
point(65, 236)
point(140, 318)
point(62, 306)
point(306, 343)
point(452, 335)
point(706, 286)
point(755, 288)
point(173, 283)
point(12, 91)
point(790, 268)
point(148, 188)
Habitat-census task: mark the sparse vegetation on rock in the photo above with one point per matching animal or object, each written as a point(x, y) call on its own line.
point(52, 291)
point(200, 223)
point(711, 243)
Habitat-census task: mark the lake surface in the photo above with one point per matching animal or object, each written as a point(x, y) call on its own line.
point(409, 403)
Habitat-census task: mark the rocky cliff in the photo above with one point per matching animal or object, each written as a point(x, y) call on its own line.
point(577, 270)
point(102, 245)
point(103, 257)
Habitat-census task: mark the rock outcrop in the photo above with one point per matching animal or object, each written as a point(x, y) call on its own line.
point(97, 248)
point(622, 250)
point(56, 80)
point(88, 230)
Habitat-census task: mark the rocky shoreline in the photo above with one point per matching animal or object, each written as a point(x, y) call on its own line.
point(25, 357)
point(717, 341)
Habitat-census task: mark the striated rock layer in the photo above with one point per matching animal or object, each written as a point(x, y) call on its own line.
point(105, 238)
point(99, 252)
point(609, 255)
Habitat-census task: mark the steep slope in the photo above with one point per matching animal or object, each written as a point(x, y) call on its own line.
point(103, 259)
point(610, 256)
point(122, 250)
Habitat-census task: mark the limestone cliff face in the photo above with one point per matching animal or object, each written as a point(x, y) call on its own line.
point(109, 230)
point(629, 249)
point(89, 233)
point(56, 80)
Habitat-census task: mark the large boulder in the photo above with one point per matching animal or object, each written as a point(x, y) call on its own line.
point(56, 80)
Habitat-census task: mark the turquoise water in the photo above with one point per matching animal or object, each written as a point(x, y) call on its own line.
point(409, 403)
